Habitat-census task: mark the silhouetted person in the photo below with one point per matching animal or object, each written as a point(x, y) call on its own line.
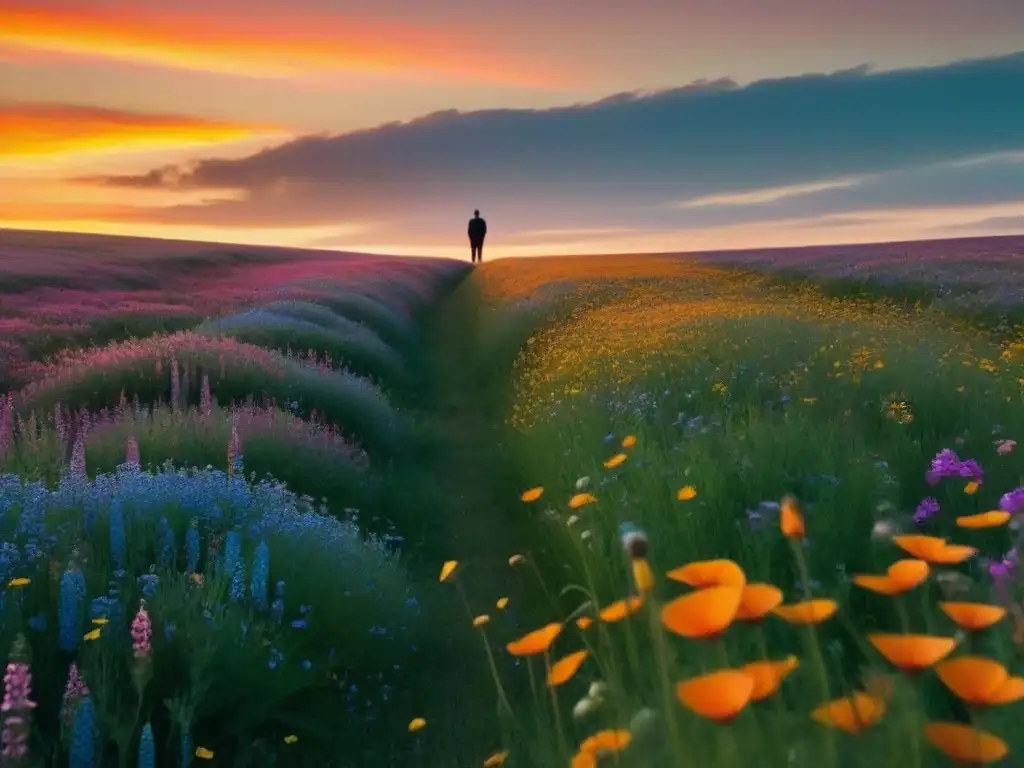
point(477, 233)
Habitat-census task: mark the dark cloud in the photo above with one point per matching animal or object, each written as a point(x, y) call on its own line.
point(626, 158)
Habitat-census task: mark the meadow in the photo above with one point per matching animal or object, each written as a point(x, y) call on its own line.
point(271, 507)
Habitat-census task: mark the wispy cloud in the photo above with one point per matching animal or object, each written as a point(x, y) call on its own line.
point(306, 46)
point(33, 130)
point(769, 195)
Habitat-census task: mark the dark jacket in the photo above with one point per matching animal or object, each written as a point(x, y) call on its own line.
point(477, 229)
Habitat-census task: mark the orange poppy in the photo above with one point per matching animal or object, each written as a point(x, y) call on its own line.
point(448, 569)
point(992, 519)
point(979, 681)
point(620, 609)
point(807, 611)
point(584, 760)
point(768, 675)
point(703, 613)
point(629, 441)
point(584, 621)
point(903, 575)
point(791, 520)
point(498, 758)
point(933, 549)
point(567, 666)
point(603, 742)
point(615, 461)
point(642, 575)
point(535, 642)
point(580, 499)
point(757, 601)
point(532, 494)
point(973, 616)
point(852, 714)
point(912, 652)
point(718, 696)
point(965, 744)
point(710, 573)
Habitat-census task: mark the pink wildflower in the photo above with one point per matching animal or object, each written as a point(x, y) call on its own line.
point(1003, 447)
point(142, 632)
point(175, 385)
point(131, 451)
point(74, 690)
point(16, 704)
point(77, 467)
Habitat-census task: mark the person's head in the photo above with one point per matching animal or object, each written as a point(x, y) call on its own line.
point(476, 214)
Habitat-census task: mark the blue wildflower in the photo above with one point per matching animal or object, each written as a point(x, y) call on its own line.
point(148, 583)
point(118, 542)
point(232, 551)
point(83, 736)
point(147, 749)
point(72, 595)
point(300, 624)
point(38, 622)
point(260, 586)
point(237, 592)
point(192, 547)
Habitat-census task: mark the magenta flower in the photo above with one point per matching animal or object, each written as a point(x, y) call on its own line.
point(928, 508)
point(971, 469)
point(74, 690)
point(131, 451)
point(142, 632)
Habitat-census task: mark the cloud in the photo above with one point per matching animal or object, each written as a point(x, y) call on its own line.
point(309, 45)
point(995, 224)
point(31, 130)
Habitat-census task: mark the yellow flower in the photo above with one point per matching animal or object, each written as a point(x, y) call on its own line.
point(533, 494)
point(971, 488)
point(21, 581)
point(498, 758)
point(93, 634)
point(448, 569)
point(204, 754)
point(291, 739)
point(480, 620)
point(416, 723)
point(502, 602)
point(615, 461)
point(642, 575)
point(686, 493)
point(99, 622)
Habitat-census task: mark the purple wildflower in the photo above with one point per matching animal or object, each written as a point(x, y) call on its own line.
point(928, 508)
point(17, 704)
point(945, 464)
point(1012, 502)
point(75, 690)
point(969, 468)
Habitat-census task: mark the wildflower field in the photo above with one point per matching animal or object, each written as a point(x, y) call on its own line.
point(335, 510)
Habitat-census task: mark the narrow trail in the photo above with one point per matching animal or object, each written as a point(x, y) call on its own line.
point(481, 522)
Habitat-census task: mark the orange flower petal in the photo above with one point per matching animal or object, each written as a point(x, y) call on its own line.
point(584, 621)
point(991, 519)
point(497, 759)
point(532, 494)
point(883, 585)
point(953, 553)
point(791, 519)
point(620, 609)
point(807, 611)
point(973, 616)
point(567, 666)
point(612, 740)
point(535, 642)
point(584, 760)
point(768, 675)
point(1010, 691)
point(966, 744)
point(852, 714)
point(710, 573)
point(907, 574)
point(581, 499)
point(615, 461)
point(912, 652)
point(703, 613)
point(686, 493)
point(921, 547)
point(973, 679)
point(629, 441)
point(757, 601)
point(718, 696)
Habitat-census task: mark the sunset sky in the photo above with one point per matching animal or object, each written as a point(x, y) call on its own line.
point(576, 126)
